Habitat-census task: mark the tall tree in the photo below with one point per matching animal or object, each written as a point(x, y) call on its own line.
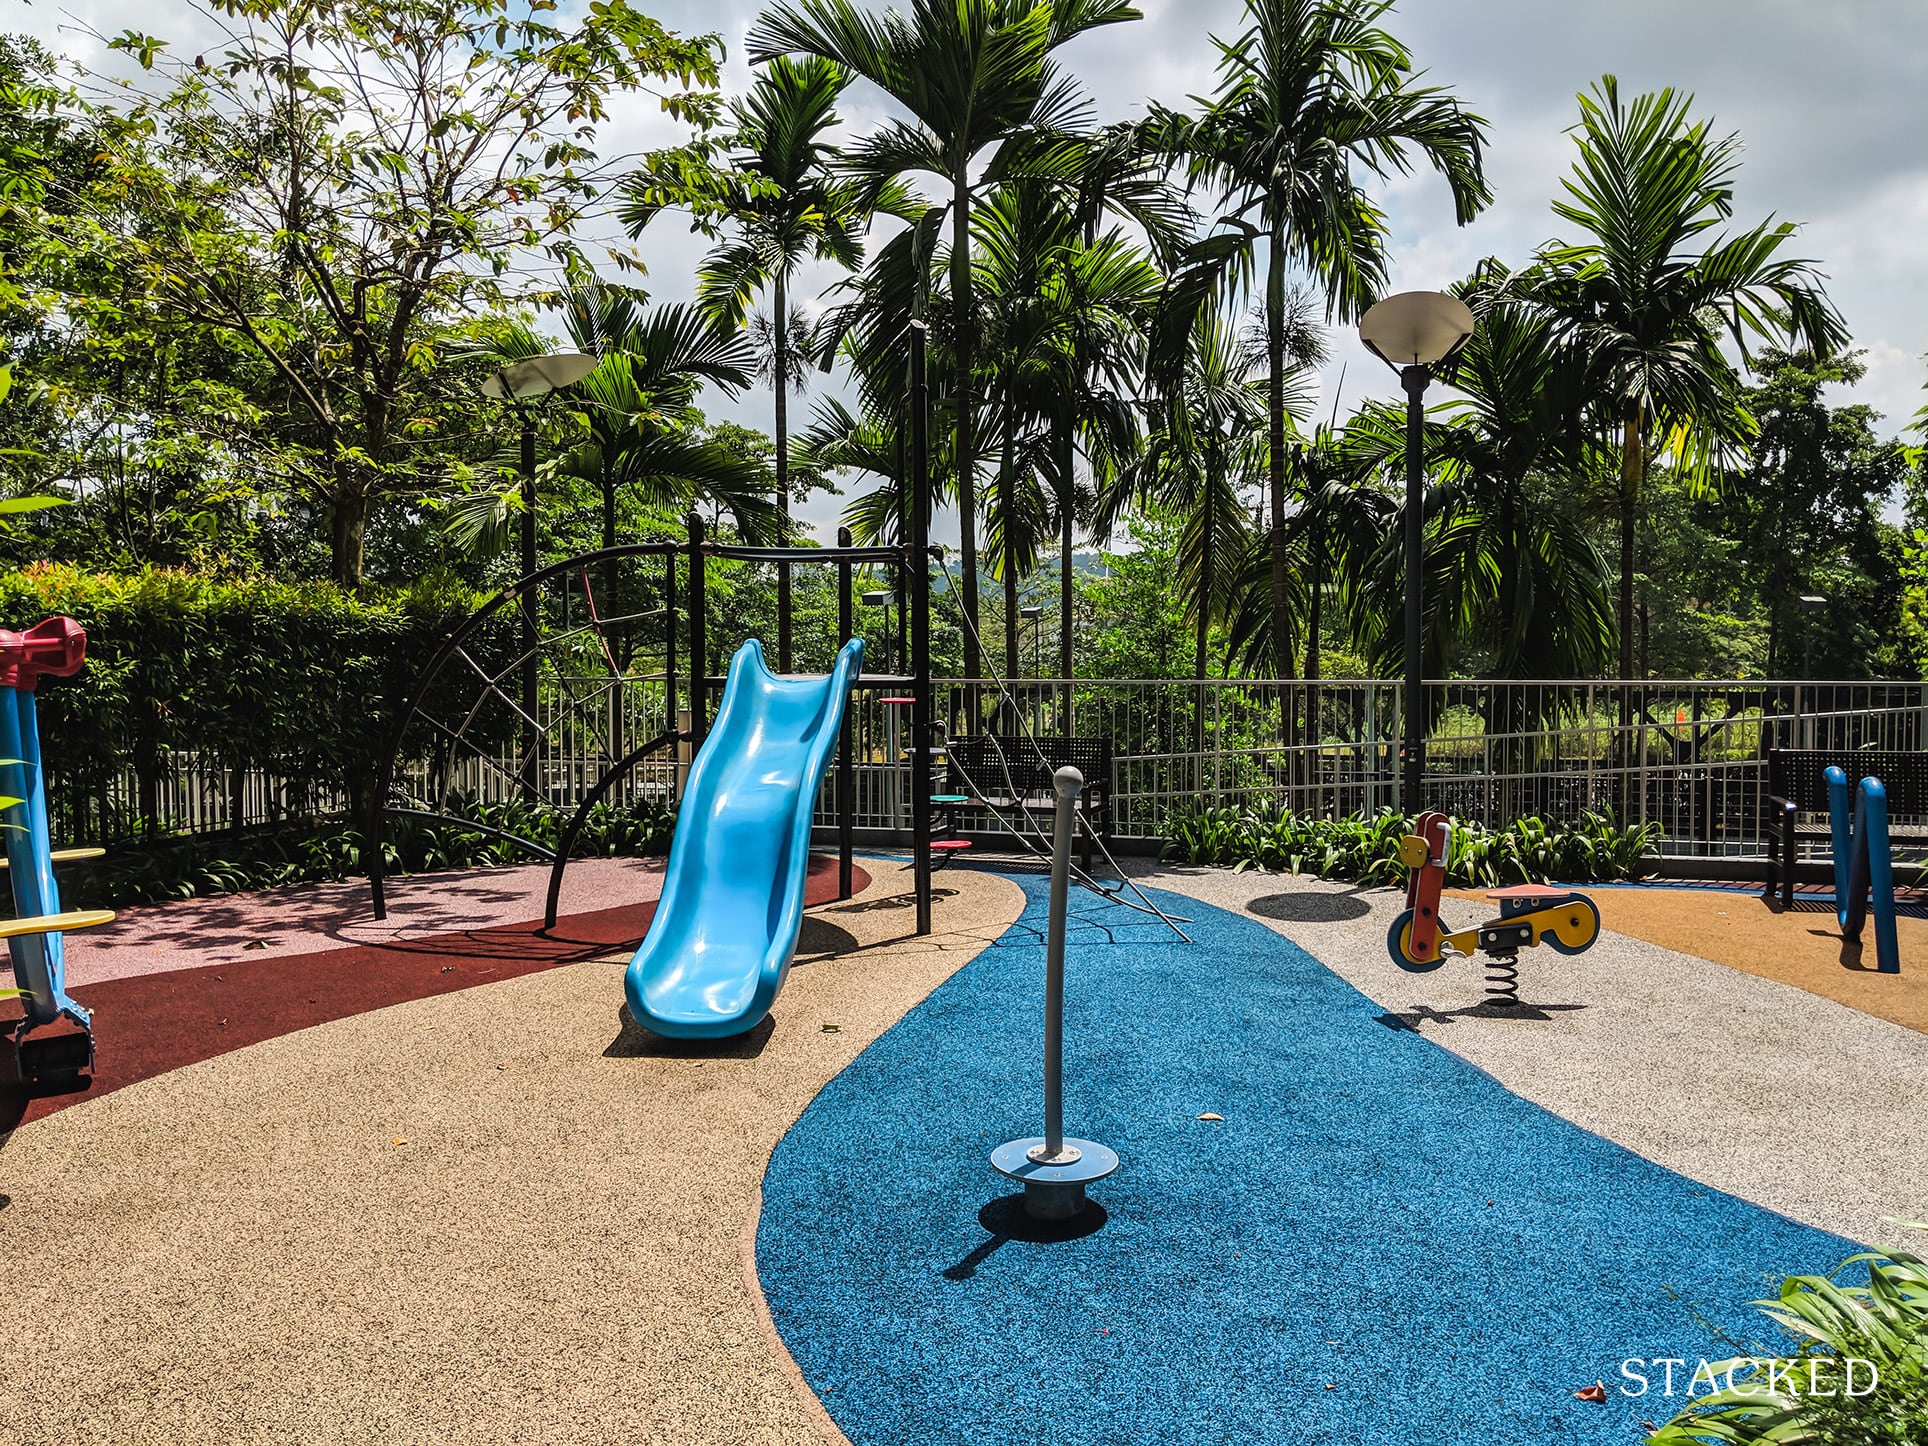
point(1205, 457)
point(1807, 513)
point(633, 415)
point(1513, 584)
point(779, 201)
point(1650, 293)
point(1312, 93)
point(975, 76)
point(348, 170)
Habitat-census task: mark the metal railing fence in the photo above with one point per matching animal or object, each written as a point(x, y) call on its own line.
point(1688, 755)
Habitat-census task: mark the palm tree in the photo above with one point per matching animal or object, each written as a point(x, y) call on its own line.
point(1514, 583)
point(1206, 450)
point(1309, 94)
point(633, 411)
point(973, 74)
point(780, 202)
point(1649, 295)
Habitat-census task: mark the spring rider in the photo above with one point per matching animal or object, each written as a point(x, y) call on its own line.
point(42, 1058)
point(1530, 914)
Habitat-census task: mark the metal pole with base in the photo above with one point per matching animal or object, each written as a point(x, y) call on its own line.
point(1054, 1170)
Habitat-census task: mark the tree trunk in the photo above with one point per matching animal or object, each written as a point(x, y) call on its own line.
point(1314, 622)
point(1067, 517)
point(1632, 464)
point(1202, 641)
point(349, 521)
point(1632, 467)
point(1008, 519)
point(1275, 472)
point(779, 373)
point(966, 489)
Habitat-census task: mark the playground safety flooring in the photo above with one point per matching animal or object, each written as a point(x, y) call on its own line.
point(500, 1215)
point(496, 1215)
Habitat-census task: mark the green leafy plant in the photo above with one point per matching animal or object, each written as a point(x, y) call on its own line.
point(1801, 1399)
point(1363, 848)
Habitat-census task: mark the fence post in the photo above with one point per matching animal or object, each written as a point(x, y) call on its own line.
point(846, 783)
point(699, 641)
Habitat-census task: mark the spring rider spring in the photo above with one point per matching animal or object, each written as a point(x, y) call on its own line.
point(1530, 914)
point(44, 1058)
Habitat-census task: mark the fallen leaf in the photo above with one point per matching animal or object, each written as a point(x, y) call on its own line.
point(1597, 1392)
point(219, 980)
point(400, 1141)
point(1330, 1387)
point(832, 1028)
point(1210, 1116)
point(222, 1023)
point(255, 944)
point(502, 1066)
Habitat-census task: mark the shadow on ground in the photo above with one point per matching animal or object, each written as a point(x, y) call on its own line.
point(1420, 1014)
point(1005, 1220)
point(632, 1041)
point(1310, 908)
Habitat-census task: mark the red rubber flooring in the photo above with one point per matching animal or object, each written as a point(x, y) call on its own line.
point(147, 1024)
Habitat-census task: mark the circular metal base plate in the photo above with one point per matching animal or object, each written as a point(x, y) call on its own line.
point(1093, 1162)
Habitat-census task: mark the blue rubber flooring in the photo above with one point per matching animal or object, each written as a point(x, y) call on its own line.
point(1378, 1244)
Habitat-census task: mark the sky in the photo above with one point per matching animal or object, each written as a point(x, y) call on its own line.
point(1825, 95)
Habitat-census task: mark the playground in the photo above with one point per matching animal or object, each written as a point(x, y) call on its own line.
point(1349, 1200)
point(861, 1145)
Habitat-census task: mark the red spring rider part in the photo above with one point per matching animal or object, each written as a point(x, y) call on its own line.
point(57, 647)
point(1435, 831)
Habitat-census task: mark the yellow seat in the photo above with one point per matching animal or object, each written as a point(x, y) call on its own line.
point(55, 923)
point(67, 856)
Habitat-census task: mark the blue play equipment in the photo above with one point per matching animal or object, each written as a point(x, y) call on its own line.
point(1864, 865)
point(56, 647)
point(726, 925)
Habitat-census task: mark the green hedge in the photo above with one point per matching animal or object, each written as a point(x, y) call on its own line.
point(1365, 849)
point(299, 680)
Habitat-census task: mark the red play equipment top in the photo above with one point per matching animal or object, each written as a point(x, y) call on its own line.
point(57, 646)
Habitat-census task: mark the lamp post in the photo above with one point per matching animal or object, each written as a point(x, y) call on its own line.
point(1031, 613)
point(1412, 333)
point(1810, 604)
point(518, 384)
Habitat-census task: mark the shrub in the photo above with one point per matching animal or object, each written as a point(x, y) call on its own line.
point(300, 681)
point(1365, 849)
point(1884, 1323)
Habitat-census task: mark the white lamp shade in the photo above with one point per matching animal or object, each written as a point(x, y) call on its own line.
point(1416, 328)
point(538, 374)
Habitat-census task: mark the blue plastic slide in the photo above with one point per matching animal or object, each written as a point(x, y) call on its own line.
point(726, 926)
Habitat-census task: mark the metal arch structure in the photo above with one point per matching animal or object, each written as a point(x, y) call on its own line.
point(508, 684)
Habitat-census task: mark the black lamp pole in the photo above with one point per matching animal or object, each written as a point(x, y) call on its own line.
point(1412, 715)
point(923, 735)
point(1412, 332)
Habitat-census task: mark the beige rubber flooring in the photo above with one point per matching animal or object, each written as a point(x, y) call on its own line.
point(1766, 1090)
point(487, 1217)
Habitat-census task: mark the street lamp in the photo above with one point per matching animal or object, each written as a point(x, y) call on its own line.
point(1031, 614)
point(1412, 333)
point(881, 599)
point(518, 383)
point(1810, 603)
